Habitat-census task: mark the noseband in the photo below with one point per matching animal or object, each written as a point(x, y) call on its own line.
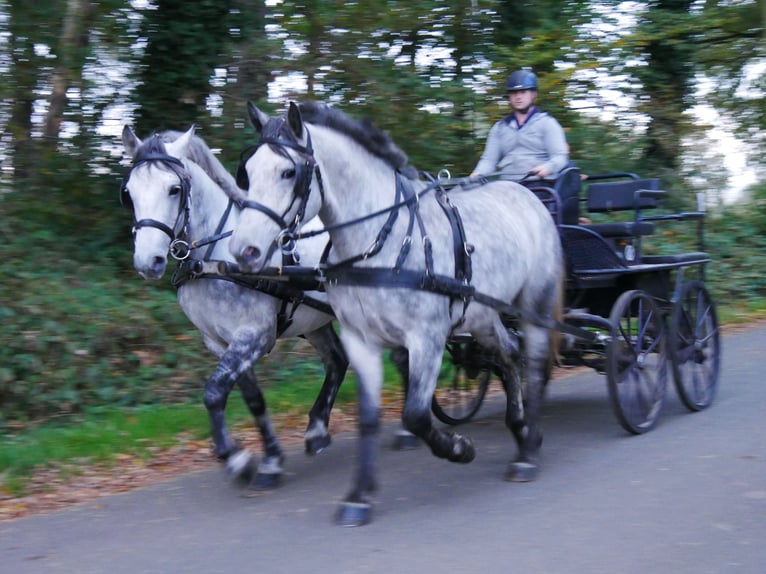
point(179, 248)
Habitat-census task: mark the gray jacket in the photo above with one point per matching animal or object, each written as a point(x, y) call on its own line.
point(515, 150)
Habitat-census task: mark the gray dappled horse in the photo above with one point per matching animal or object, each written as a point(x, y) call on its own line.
point(411, 265)
point(180, 193)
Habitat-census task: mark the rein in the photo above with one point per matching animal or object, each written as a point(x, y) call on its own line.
point(457, 287)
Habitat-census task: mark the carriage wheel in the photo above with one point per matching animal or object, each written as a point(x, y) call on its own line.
point(695, 346)
point(637, 362)
point(462, 385)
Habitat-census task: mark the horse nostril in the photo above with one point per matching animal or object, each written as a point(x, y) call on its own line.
point(251, 254)
point(158, 264)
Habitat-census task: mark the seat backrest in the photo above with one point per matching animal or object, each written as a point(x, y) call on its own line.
point(568, 186)
point(621, 195)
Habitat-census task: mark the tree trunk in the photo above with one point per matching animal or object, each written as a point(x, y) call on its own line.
point(74, 38)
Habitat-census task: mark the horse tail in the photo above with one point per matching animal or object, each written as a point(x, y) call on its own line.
point(557, 315)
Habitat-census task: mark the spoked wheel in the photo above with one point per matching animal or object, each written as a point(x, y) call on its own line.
point(637, 369)
point(695, 346)
point(462, 384)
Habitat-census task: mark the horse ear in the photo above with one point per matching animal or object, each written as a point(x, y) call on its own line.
point(295, 120)
point(130, 141)
point(181, 144)
point(257, 117)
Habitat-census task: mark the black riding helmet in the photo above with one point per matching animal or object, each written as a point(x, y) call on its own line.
point(522, 80)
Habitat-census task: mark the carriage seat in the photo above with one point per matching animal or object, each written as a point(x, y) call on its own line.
point(562, 195)
point(628, 195)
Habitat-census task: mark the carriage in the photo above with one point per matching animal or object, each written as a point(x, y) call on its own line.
point(637, 316)
point(468, 270)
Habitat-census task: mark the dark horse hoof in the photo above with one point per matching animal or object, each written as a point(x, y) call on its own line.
point(266, 481)
point(241, 467)
point(353, 514)
point(522, 472)
point(404, 440)
point(463, 450)
point(317, 444)
point(269, 474)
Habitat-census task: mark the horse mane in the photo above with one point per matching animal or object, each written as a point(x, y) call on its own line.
point(198, 152)
point(364, 132)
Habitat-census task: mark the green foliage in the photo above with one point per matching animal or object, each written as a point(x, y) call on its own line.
point(737, 242)
point(80, 329)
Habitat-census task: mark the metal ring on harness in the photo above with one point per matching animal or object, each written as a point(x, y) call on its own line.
point(180, 250)
point(443, 174)
point(287, 242)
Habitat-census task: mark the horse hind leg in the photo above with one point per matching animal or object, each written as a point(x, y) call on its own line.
point(423, 372)
point(403, 439)
point(268, 473)
point(327, 344)
point(523, 408)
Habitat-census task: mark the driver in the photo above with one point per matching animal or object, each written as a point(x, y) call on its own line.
point(527, 142)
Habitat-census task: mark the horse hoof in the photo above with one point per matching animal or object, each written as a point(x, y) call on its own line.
point(521, 472)
point(463, 450)
point(317, 444)
point(241, 466)
point(404, 440)
point(353, 514)
point(266, 481)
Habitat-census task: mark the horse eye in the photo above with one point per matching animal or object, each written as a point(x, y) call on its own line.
point(288, 174)
point(175, 189)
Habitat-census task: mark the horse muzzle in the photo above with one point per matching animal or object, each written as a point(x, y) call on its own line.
point(152, 269)
point(251, 259)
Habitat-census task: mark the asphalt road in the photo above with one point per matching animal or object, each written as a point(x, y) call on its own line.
point(687, 497)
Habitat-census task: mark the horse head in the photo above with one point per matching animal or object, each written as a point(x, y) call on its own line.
point(157, 188)
point(278, 175)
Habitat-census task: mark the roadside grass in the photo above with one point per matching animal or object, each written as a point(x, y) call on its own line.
point(95, 438)
point(103, 436)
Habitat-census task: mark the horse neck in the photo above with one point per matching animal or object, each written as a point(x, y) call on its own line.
point(356, 183)
point(208, 203)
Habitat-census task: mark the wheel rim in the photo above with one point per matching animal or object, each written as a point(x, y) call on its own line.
point(695, 346)
point(637, 361)
point(462, 384)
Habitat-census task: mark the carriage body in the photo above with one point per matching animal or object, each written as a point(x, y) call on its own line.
point(646, 315)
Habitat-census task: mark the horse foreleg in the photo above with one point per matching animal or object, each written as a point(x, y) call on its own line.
point(328, 345)
point(423, 373)
point(235, 366)
point(356, 508)
point(217, 389)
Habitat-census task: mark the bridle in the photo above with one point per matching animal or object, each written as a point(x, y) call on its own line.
point(305, 168)
point(179, 246)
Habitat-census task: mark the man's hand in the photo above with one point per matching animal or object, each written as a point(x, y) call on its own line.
point(540, 171)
